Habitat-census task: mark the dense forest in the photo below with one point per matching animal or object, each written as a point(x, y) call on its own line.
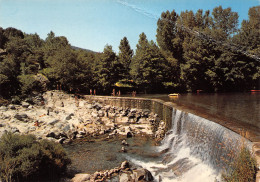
point(200, 50)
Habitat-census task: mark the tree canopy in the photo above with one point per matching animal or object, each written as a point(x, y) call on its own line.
point(200, 50)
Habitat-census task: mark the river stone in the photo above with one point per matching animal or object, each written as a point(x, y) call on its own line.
point(97, 106)
point(124, 177)
point(89, 106)
point(3, 108)
point(94, 114)
point(101, 113)
point(125, 165)
point(21, 117)
point(81, 103)
point(15, 130)
point(51, 135)
point(11, 106)
point(107, 107)
point(133, 110)
point(142, 174)
point(53, 122)
point(25, 104)
point(124, 142)
point(69, 116)
point(66, 128)
point(81, 178)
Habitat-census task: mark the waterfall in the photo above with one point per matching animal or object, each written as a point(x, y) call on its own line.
point(194, 149)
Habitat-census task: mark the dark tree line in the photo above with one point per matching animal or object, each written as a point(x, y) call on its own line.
point(193, 52)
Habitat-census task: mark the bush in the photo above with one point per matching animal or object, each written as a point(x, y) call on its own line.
point(23, 158)
point(243, 168)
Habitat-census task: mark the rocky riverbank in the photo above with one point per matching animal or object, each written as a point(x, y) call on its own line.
point(62, 117)
point(122, 173)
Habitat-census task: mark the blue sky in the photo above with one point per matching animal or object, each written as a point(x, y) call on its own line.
point(92, 24)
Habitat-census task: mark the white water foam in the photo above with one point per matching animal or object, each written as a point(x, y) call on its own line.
point(189, 150)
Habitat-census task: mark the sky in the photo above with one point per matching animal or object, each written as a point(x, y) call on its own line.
point(91, 24)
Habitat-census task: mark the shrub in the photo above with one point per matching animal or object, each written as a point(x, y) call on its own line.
point(243, 168)
point(23, 158)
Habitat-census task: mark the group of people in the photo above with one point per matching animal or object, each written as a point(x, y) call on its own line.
point(114, 93)
point(90, 92)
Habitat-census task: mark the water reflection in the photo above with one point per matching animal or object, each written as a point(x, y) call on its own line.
point(236, 107)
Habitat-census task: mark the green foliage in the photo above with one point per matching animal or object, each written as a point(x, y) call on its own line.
point(30, 83)
point(24, 158)
point(243, 169)
point(125, 57)
point(109, 70)
point(149, 68)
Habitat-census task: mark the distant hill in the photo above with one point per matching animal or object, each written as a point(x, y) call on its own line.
point(78, 48)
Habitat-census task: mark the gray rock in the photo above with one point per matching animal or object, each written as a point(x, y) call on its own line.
point(101, 113)
point(142, 174)
point(94, 114)
point(66, 128)
point(124, 143)
point(69, 116)
point(51, 135)
point(25, 104)
point(53, 122)
point(59, 125)
point(15, 130)
point(89, 106)
point(81, 178)
point(133, 110)
point(3, 108)
point(97, 106)
point(12, 107)
point(129, 134)
point(61, 140)
point(107, 107)
point(33, 128)
point(123, 149)
point(125, 165)
point(21, 117)
point(124, 177)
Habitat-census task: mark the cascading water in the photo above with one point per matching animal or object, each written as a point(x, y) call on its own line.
point(195, 149)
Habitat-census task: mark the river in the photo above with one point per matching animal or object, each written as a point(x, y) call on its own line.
point(237, 111)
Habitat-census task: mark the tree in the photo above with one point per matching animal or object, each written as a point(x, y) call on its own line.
point(167, 35)
point(108, 70)
point(125, 57)
point(225, 23)
point(67, 70)
point(149, 68)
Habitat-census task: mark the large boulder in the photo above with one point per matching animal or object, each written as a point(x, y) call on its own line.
point(124, 177)
point(142, 174)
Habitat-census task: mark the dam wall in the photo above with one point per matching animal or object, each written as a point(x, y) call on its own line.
point(208, 140)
